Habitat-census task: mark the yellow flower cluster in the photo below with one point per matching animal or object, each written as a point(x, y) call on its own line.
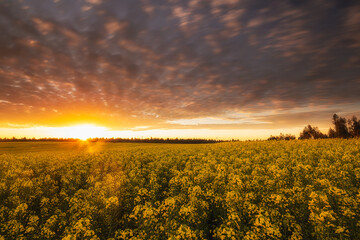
point(243, 190)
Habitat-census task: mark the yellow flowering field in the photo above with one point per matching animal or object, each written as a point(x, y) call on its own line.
point(242, 190)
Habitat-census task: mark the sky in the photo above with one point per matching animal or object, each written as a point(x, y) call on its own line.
point(201, 68)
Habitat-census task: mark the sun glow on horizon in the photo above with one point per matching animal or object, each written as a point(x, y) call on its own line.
point(86, 131)
point(82, 132)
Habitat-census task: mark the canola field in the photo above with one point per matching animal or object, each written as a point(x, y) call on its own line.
point(243, 190)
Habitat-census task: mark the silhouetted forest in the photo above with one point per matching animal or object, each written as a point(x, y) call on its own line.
point(343, 128)
point(282, 137)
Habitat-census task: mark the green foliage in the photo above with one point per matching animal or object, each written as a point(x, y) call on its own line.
point(244, 190)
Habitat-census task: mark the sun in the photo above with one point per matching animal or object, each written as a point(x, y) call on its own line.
point(84, 131)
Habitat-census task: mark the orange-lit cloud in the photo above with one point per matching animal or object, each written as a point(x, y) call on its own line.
point(168, 64)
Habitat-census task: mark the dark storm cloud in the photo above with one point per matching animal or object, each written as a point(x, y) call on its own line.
point(157, 61)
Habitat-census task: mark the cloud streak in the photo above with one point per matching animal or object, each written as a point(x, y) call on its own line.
point(134, 63)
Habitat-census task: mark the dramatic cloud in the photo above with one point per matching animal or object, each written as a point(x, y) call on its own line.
point(175, 64)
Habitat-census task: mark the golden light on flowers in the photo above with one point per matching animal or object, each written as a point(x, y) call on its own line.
point(306, 188)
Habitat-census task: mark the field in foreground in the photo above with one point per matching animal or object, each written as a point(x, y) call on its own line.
point(245, 190)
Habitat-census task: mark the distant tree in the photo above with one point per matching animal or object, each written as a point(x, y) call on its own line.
point(289, 137)
point(354, 127)
point(282, 137)
point(332, 133)
point(341, 130)
point(310, 132)
point(272, 138)
point(307, 132)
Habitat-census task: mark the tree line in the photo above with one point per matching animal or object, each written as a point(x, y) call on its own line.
point(116, 140)
point(342, 128)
